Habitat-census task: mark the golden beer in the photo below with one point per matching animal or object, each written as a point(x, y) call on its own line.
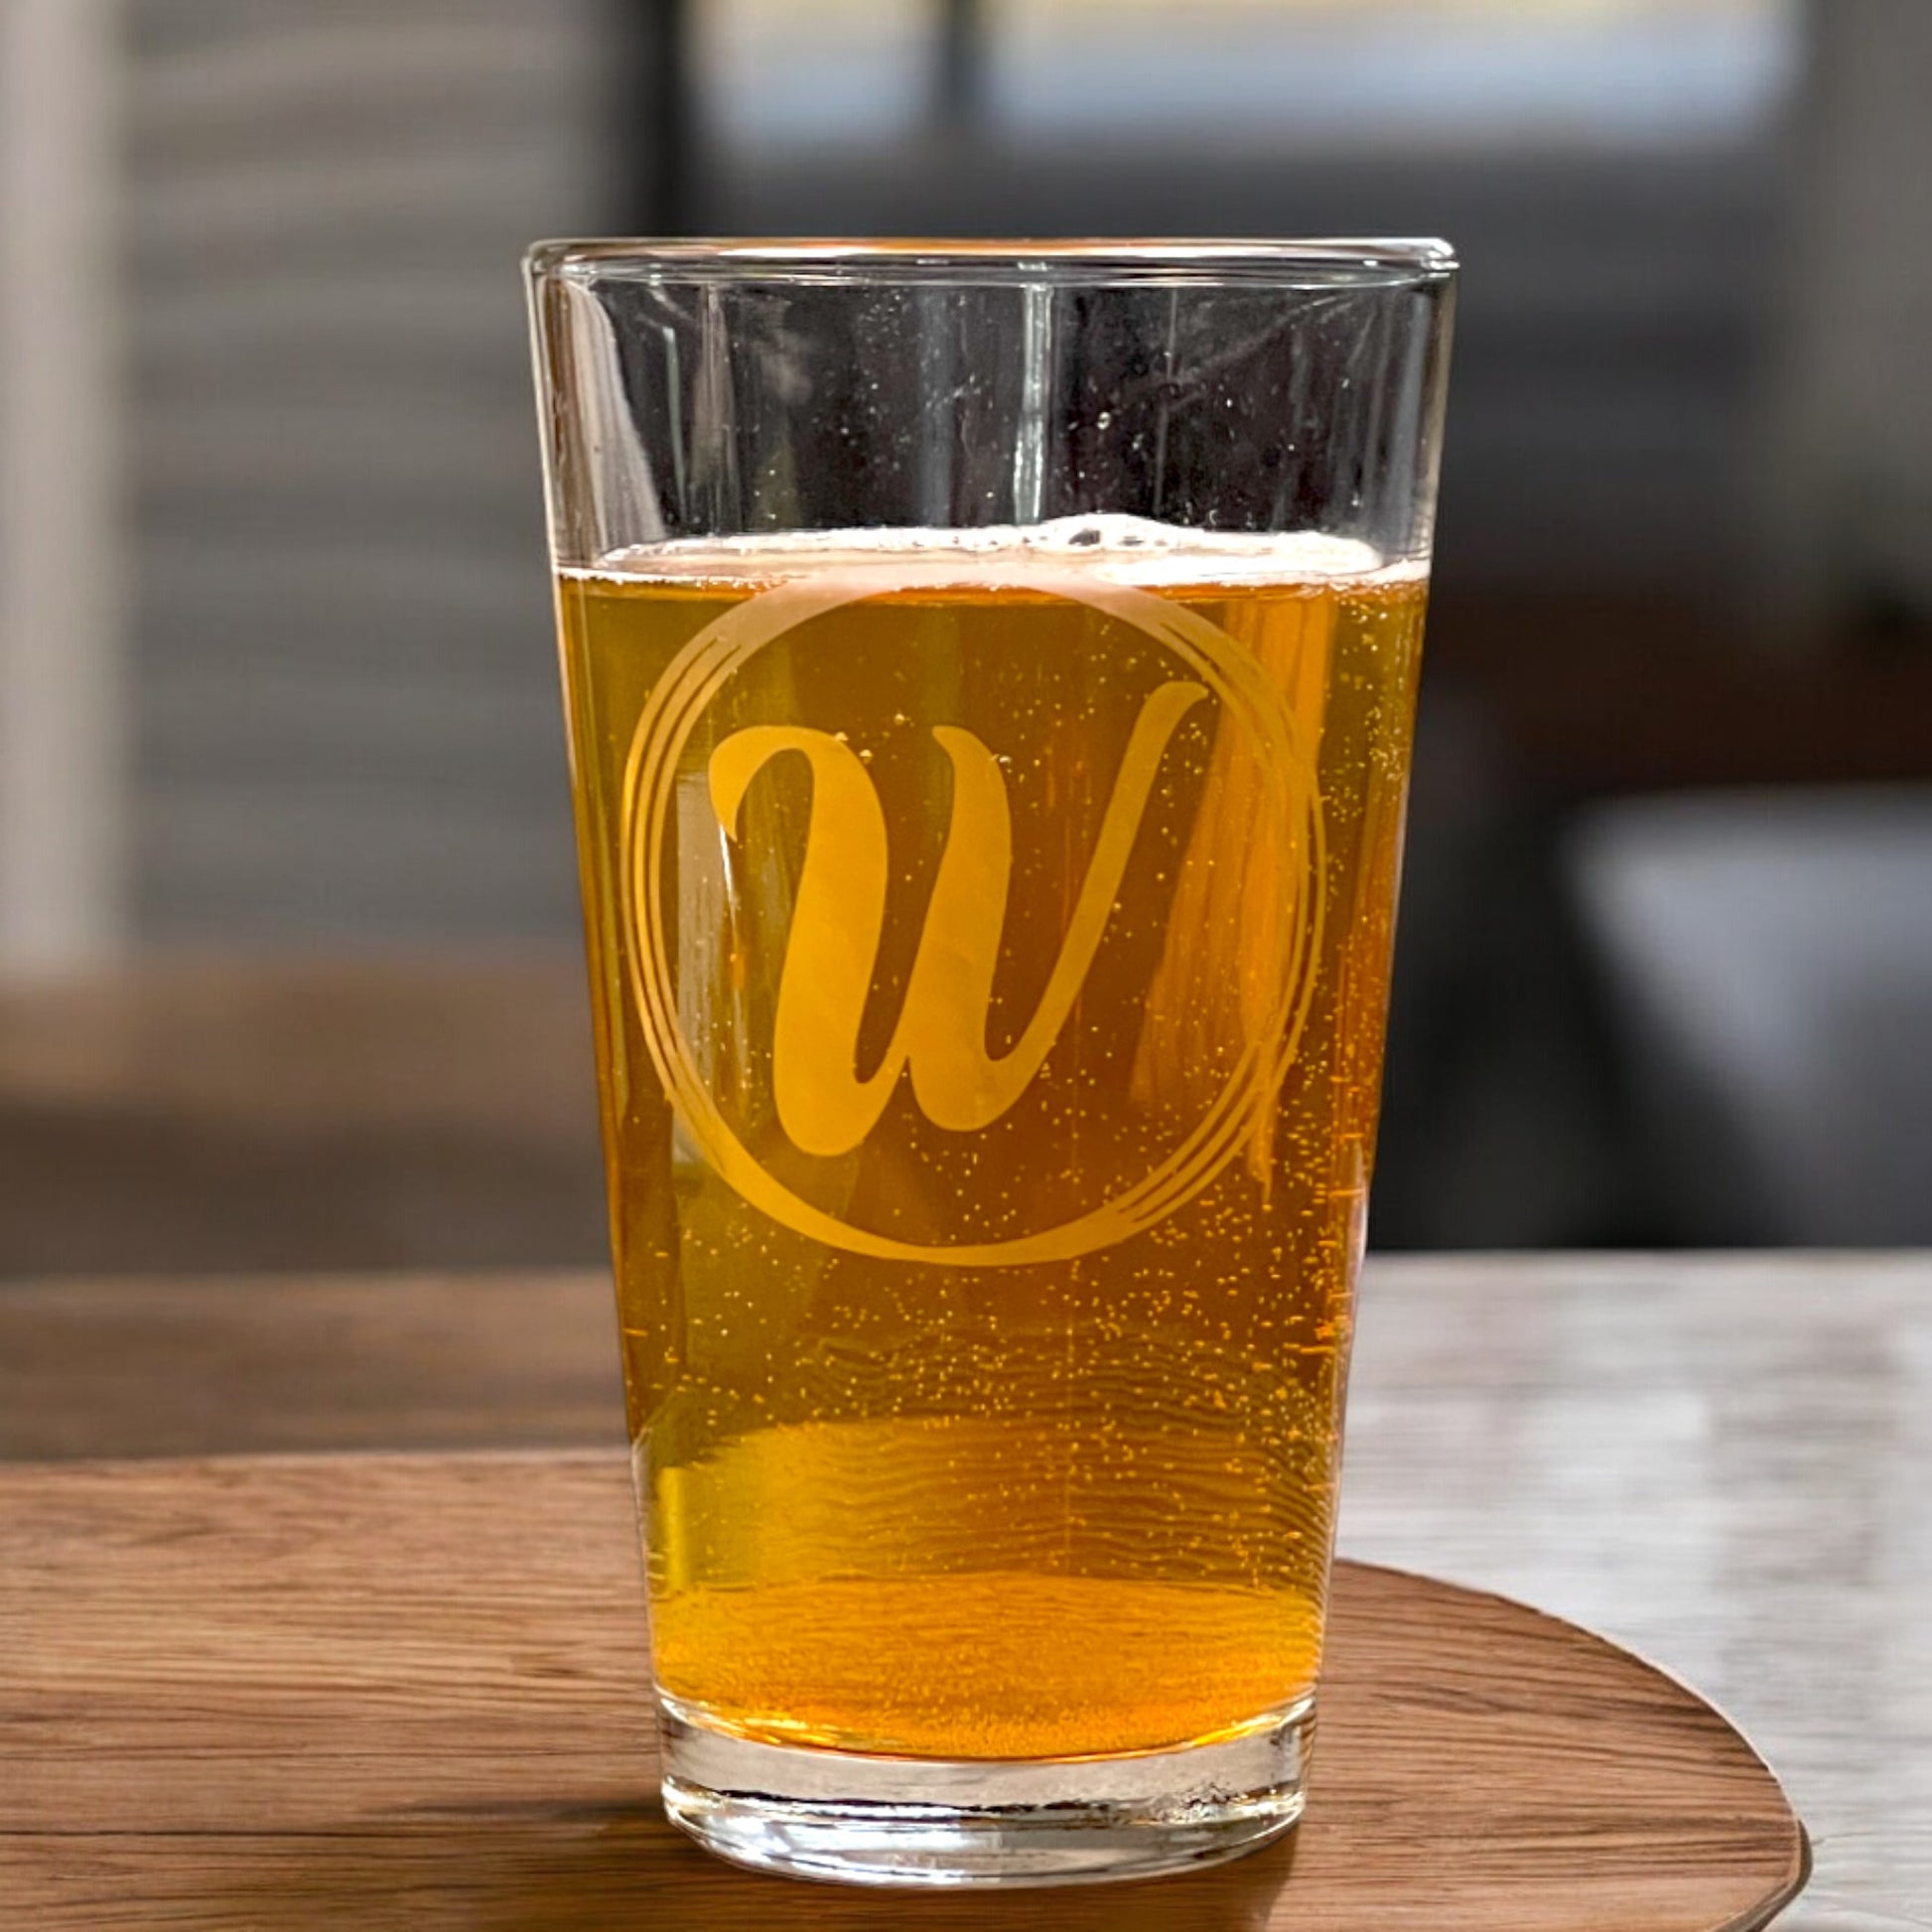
point(990, 942)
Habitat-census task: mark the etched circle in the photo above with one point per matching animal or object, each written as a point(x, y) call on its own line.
point(1247, 696)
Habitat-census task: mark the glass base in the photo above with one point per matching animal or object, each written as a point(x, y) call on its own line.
point(906, 1820)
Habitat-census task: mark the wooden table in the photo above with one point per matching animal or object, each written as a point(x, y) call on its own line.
point(1726, 1464)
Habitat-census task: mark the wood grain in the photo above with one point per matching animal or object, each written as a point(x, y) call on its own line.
point(1718, 1459)
point(353, 1691)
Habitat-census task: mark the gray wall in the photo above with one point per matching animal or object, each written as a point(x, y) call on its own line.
point(346, 720)
point(345, 717)
point(1603, 410)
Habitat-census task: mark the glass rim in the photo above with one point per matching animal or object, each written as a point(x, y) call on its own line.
point(1402, 261)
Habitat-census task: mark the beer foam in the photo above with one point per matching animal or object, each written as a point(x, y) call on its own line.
point(1122, 549)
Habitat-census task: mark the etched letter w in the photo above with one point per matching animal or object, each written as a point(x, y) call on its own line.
point(824, 1106)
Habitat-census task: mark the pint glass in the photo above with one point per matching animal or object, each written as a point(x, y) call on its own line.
point(989, 672)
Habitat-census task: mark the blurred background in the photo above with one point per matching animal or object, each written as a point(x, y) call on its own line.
point(288, 969)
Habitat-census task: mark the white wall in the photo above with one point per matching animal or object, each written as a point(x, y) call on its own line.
point(62, 767)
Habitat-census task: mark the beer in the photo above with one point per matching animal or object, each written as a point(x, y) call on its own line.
point(990, 938)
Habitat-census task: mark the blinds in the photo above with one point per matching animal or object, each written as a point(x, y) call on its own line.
point(345, 688)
